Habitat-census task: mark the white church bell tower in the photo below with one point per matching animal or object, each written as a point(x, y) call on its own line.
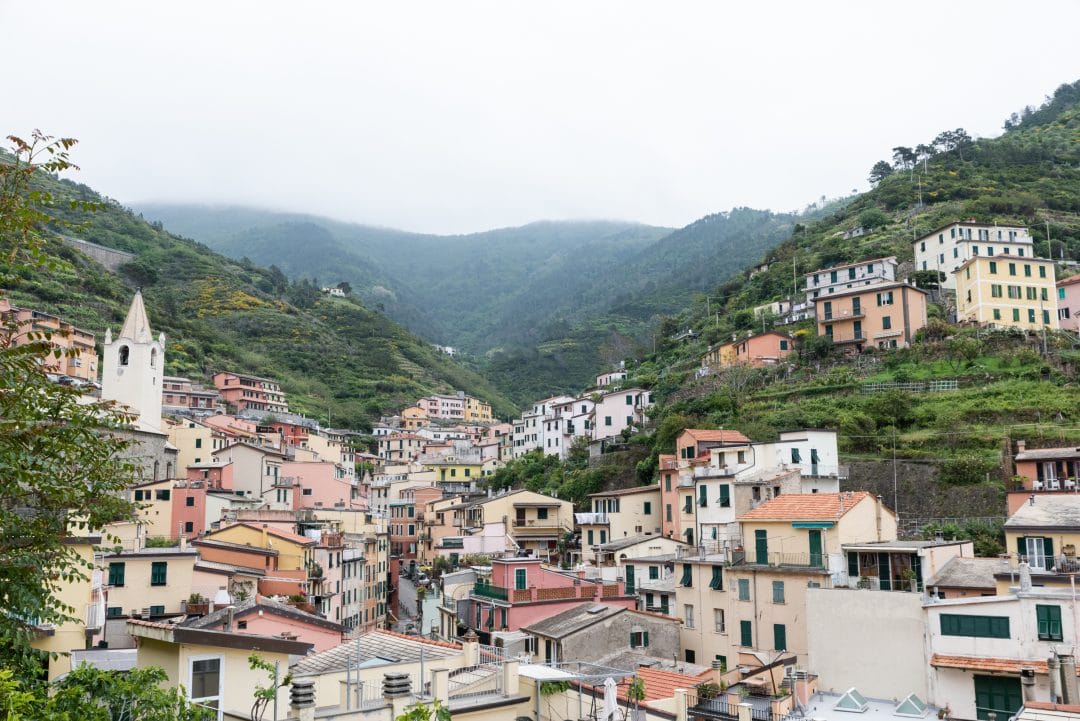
point(133, 366)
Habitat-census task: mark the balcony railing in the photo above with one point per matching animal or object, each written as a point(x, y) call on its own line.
point(844, 315)
point(488, 591)
point(593, 518)
point(537, 523)
point(778, 558)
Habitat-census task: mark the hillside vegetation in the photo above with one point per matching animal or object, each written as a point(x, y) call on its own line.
point(336, 359)
point(1008, 388)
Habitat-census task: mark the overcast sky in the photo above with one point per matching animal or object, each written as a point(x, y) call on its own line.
point(458, 116)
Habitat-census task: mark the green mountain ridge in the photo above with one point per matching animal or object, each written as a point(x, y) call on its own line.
point(333, 356)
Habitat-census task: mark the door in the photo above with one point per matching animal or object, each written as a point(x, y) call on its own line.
point(664, 608)
point(816, 555)
point(998, 694)
point(519, 517)
point(761, 547)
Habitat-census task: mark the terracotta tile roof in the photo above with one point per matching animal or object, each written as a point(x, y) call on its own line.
point(662, 684)
point(667, 461)
point(654, 615)
point(725, 436)
point(628, 491)
point(806, 506)
point(1002, 665)
point(151, 624)
point(1049, 706)
point(285, 535)
point(1069, 281)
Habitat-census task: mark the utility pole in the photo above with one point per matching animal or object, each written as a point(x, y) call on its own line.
point(895, 485)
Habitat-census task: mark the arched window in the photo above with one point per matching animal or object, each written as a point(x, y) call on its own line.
point(157, 467)
point(153, 357)
point(125, 354)
point(168, 469)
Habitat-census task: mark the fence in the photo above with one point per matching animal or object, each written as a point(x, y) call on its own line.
point(912, 386)
point(484, 679)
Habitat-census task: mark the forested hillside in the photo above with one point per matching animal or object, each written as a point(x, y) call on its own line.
point(333, 356)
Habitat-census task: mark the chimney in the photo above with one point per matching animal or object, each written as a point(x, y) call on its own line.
point(229, 611)
point(1069, 687)
point(1025, 576)
point(397, 690)
point(1021, 446)
point(878, 507)
point(302, 699)
point(1027, 683)
point(1053, 666)
point(265, 536)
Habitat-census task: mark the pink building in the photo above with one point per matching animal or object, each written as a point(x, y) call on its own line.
point(177, 392)
point(263, 617)
point(315, 484)
point(189, 508)
point(214, 474)
point(79, 357)
point(522, 591)
point(1068, 302)
point(250, 393)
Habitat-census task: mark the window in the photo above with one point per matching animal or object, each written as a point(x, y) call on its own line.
point(688, 615)
point(125, 355)
point(886, 322)
point(1012, 268)
point(1049, 621)
point(783, 345)
point(1014, 292)
point(189, 501)
point(646, 508)
point(198, 442)
point(778, 592)
point(746, 635)
point(542, 514)
point(157, 610)
point(667, 512)
point(993, 267)
point(1046, 317)
point(922, 246)
point(744, 589)
point(687, 575)
point(795, 456)
point(690, 656)
point(520, 579)
point(205, 685)
point(158, 570)
point(189, 527)
point(607, 420)
point(717, 581)
point(114, 611)
point(779, 635)
point(974, 626)
point(1031, 315)
point(1044, 295)
point(639, 639)
point(1031, 293)
point(307, 492)
point(667, 483)
point(1042, 271)
point(1027, 270)
point(885, 298)
point(1016, 315)
point(725, 496)
point(654, 573)
point(688, 504)
point(718, 620)
point(116, 574)
point(997, 313)
point(832, 277)
point(703, 496)
point(995, 290)
point(162, 495)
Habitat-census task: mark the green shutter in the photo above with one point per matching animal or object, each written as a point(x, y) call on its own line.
point(1021, 541)
point(502, 617)
point(778, 592)
point(1049, 622)
point(746, 636)
point(884, 579)
point(1048, 551)
point(520, 579)
point(116, 574)
point(717, 582)
point(725, 496)
point(779, 637)
point(687, 575)
point(852, 564)
point(645, 639)
point(630, 579)
point(157, 573)
point(703, 496)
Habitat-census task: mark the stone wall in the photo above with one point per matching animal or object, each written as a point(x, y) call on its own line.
point(919, 492)
point(111, 259)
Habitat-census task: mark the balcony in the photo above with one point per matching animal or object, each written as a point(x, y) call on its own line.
point(853, 314)
point(591, 518)
point(840, 339)
point(780, 559)
point(488, 591)
point(536, 524)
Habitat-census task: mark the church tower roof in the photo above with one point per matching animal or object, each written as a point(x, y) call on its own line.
point(137, 325)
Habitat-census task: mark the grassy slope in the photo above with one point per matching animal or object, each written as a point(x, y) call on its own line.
point(335, 355)
point(1029, 175)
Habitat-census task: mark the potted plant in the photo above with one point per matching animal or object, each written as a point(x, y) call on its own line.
point(707, 690)
point(908, 574)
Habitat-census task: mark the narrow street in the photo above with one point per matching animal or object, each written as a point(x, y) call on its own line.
point(406, 611)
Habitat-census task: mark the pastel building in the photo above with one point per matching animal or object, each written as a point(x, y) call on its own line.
point(620, 410)
point(78, 355)
point(180, 395)
point(1068, 303)
point(844, 278)
point(250, 393)
point(756, 351)
point(881, 316)
point(952, 245)
point(1007, 291)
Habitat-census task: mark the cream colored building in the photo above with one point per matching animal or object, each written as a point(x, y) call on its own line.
point(194, 441)
point(85, 598)
point(617, 516)
point(534, 522)
point(477, 411)
point(148, 582)
point(1007, 291)
point(212, 666)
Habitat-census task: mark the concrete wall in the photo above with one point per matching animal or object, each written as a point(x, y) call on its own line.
point(849, 645)
point(111, 259)
point(920, 494)
point(612, 635)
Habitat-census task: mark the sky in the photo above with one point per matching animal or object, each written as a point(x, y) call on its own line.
point(450, 117)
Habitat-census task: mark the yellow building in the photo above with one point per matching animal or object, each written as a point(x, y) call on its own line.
point(534, 521)
point(413, 417)
point(719, 356)
point(1007, 291)
point(85, 598)
point(148, 582)
point(212, 666)
point(1043, 534)
point(617, 516)
point(194, 442)
point(154, 500)
point(294, 552)
point(744, 605)
point(477, 411)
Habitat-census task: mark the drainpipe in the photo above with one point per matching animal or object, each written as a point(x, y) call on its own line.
point(1054, 669)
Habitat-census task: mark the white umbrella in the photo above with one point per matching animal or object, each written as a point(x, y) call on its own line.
point(611, 700)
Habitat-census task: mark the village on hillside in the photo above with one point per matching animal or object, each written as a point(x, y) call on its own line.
point(751, 580)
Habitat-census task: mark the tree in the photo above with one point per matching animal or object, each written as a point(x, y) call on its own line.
point(63, 470)
point(880, 171)
point(90, 694)
point(265, 695)
point(903, 157)
point(344, 287)
point(873, 218)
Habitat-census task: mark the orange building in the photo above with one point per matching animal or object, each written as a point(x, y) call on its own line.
point(244, 392)
point(763, 349)
point(79, 358)
point(881, 316)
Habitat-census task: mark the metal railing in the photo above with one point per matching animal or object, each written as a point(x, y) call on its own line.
point(778, 558)
point(483, 679)
point(913, 386)
point(488, 591)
